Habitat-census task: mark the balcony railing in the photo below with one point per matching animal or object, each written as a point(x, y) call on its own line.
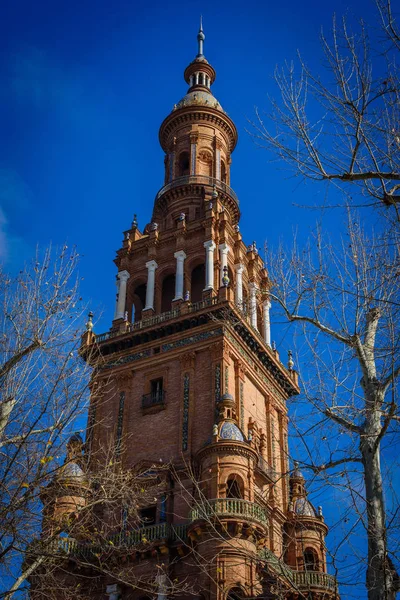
point(312, 579)
point(229, 507)
point(301, 579)
point(198, 179)
point(278, 566)
point(150, 321)
point(144, 535)
point(265, 467)
point(153, 399)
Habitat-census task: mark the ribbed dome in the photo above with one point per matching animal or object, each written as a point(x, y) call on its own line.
point(304, 508)
point(230, 431)
point(199, 98)
point(72, 471)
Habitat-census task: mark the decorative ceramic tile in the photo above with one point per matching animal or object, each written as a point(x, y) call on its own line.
point(185, 421)
point(120, 423)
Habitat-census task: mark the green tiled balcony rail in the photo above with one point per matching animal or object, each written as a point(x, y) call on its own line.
point(136, 537)
point(198, 179)
point(301, 579)
point(312, 579)
point(229, 507)
point(276, 564)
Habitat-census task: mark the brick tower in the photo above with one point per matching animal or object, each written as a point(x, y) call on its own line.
point(193, 396)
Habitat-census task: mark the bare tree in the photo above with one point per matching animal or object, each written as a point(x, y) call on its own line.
point(346, 303)
point(341, 125)
point(43, 385)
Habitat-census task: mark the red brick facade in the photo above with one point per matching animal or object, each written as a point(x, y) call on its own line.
point(191, 383)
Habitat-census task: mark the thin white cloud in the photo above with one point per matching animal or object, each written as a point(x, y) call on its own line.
point(15, 196)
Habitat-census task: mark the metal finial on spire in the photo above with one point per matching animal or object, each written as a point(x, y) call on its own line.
point(201, 37)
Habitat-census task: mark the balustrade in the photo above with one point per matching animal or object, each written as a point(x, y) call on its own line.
point(198, 179)
point(225, 507)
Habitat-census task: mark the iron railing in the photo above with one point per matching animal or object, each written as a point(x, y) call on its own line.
point(229, 507)
point(153, 399)
point(198, 179)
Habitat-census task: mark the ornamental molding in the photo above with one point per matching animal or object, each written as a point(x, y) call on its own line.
point(197, 114)
point(228, 447)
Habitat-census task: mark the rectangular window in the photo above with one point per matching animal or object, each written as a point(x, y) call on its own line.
point(156, 395)
point(148, 515)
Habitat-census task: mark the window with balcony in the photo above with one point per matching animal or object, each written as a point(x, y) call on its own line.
point(156, 395)
point(148, 515)
point(234, 487)
point(310, 560)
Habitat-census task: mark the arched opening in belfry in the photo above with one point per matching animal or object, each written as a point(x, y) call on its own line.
point(183, 164)
point(167, 292)
point(139, 302)
point(205, 163)
point(310, 560)
point(223, 171)
point(235, 594)
point(197, 283)
point(234, 487)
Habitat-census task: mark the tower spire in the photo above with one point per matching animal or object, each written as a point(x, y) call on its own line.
point(200, 38)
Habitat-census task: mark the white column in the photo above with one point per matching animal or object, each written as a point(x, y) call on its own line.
point(223, 253)
point(161, 580)
point(218, 163)
point(210, 247)
point(253, 305)
point(117, 282)
point(180, 260)
point(193, 147)
point(113, 592)
point(239, 285)
point(151, 275)
point(196, 78)
point(266, 322)
point(123, 277)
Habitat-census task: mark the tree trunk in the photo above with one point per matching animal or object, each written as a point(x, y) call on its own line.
point(379, 576)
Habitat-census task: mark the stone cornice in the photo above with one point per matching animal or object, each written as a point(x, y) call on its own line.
point(228, 447)
point(197, 114)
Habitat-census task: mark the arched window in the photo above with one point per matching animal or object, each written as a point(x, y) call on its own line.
point(197, 283)
point(183, 164)
point(139, 302)
point(310, 559)
point(223, 171)
point(234, 487)
point(167, 292)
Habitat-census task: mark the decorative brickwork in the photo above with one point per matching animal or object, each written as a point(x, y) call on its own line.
point(198, 395)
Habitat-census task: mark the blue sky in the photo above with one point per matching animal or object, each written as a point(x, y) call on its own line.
point(84, 87)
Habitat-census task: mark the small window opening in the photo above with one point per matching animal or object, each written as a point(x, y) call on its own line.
point(148, 515)
point(184, 164)
point(223, 171)
point(198, 282)
point(233, 488)
point(310, 560)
